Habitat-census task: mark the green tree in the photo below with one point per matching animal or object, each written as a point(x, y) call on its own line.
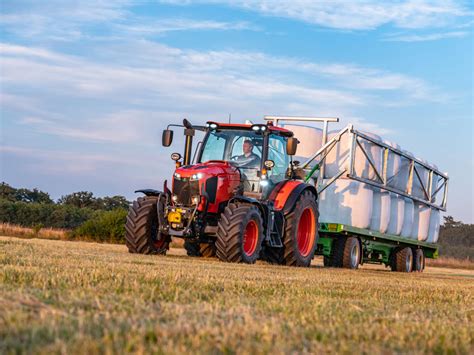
point(79, 199)
point(111, 203)
point(7, 192)
point(34, 196)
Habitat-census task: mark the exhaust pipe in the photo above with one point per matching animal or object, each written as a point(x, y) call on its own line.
point(188, 146)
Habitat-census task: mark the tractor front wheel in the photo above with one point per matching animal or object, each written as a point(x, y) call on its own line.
point(239, 234)
point(141, 228)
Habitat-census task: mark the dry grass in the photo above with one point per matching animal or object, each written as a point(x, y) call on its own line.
point(452, 263)
point(25, 232)
point(76, 297)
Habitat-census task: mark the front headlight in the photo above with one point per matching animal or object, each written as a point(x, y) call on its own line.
point(196, 199)
point(197, 176)
point(263, 183)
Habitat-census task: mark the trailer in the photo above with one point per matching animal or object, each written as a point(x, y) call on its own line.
point(348, 246)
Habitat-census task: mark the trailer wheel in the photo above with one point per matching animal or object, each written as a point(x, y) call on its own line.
point(419, 260)
point(402, 260)
point(141, 228)
point(207, 250)
point(346, 253)
point(239, 234)
point(352, 254)
point(301, 231)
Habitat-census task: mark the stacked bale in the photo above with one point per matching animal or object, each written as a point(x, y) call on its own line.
point(341, 202)
point(396, 178)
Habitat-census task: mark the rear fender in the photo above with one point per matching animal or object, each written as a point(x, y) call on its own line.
point(253, 201)
point(149, 192)
point(287, 193)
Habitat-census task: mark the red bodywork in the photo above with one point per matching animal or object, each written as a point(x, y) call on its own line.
point(281, 196)
point(228, 179)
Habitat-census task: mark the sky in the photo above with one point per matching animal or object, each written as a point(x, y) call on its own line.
point(87, 86)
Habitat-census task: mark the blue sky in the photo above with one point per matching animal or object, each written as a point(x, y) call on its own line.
point(87, 86)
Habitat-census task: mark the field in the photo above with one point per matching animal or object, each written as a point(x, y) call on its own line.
point(77, 297)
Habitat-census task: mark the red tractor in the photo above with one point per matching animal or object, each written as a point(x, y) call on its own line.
point(241, 200)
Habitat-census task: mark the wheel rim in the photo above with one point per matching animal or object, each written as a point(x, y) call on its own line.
point(250, 238)
point(355, 255)
point(420, 262)
point(306, 232)
point(409, 262)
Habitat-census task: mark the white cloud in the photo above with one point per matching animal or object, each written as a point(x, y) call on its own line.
point(354, 15)
point(146, 27)
point(149, 84)
point(426, 37)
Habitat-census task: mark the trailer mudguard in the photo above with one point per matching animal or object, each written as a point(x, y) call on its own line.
point(286, 193)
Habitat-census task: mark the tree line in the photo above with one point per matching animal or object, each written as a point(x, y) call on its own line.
point(103, 218)
point(82, 213)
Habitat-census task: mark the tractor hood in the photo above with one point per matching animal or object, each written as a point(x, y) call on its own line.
point(205, 170)
point(217, 180)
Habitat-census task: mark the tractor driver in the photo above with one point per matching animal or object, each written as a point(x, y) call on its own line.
point(249, 159)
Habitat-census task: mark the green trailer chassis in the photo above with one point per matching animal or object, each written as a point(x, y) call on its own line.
point(376, 247)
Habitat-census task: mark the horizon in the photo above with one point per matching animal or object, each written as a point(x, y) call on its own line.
point(87, 87)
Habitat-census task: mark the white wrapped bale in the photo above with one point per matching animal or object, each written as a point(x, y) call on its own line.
point(433, 231)
point(380, 218)
point(311, 140)
point(435, 216)
point(346, 202)
point(408, 217)
point(418, 189)
point(421, 221)
point(338, 158)
point(397, 214)
point(396, 177)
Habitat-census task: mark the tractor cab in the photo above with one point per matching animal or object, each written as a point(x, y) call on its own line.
point(259, 152)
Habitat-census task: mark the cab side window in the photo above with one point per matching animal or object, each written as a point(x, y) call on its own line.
point(277, 153)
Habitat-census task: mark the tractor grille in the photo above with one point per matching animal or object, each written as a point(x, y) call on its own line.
point(185, 190)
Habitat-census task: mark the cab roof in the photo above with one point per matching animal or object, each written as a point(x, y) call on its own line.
point(270, 127)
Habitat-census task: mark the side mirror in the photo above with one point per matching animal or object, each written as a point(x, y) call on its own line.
point(167, 137)
point(291, 146)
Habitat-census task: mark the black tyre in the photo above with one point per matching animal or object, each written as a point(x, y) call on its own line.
point(207, 250)
point(141, 228)
point(301, 232)
point(351, 253)
point(402, 260)
point(239, 234)
point(419, 260)
point(346, 253)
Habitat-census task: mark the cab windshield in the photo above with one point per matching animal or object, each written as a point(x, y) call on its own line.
point(241, 147)
point(244, 149)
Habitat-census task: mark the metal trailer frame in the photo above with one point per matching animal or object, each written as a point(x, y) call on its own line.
point(376, 247)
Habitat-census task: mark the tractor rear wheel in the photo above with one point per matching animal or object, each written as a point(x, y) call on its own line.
point(141, 228)
point(207, 250)
point(419, 260)
point(239, 233)
point(402, 260)
point(301, 231)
